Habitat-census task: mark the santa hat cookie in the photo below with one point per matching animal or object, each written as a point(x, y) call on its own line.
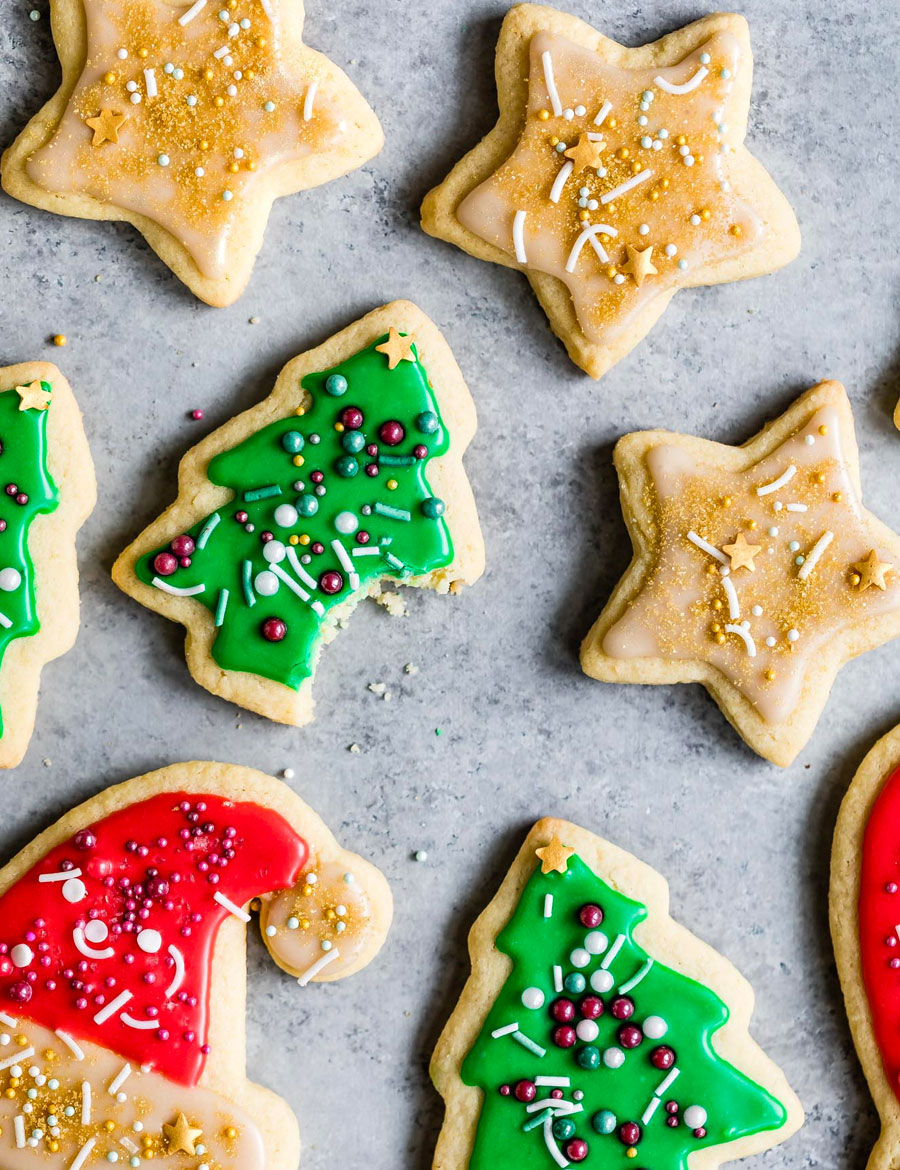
point(122, 966)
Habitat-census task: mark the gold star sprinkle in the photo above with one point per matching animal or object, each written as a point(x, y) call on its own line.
point(554, 857)
point(180, 1136)
point(397, 349)
point(742, 553)
point(871, 571)
point(586, 154)
point(106, 126)
point(639, 264)
point(33, 396)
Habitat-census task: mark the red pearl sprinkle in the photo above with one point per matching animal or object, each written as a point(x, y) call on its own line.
point(185, 562)
point(505, 1090)
point(274, 630)
point(12, 489)
point(363, 537)
point(591, 1007)
point(590, 915)
point(183, 546)
point(85, 839)
point(622, 1008)
point(391, 432)
point(352, 418)
point(700, 1132)
point(196, 415)
point(564, 1036)
point(629, 1133)
point(525, 1091)
point(630, 1036)
point(331, 582)
point(420, 451)
point(662, 1057)
point(671, 1107)
point(576, 1150)
point(241, 517)
point(672, 1122)
point(562, 1010)
point(317, 476)
point(165, 564)
point(22, 499)
point(371, 470)
point(317, 547)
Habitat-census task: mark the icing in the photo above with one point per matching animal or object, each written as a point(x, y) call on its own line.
point(879, 915)
point(109, 937)
point(593, 1047)
point(28, 491)
point(326, 501)
point(66, 1099)
point(182, 114)
point(620, 185)
point(754, 572)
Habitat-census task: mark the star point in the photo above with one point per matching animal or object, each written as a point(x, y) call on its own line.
point(33, 396)
point(639, 264)
point(742, 553)
point(586, 154)
point(554, 857)
point(398, 348)
point(106, 126)
point(871, 572)
point(181, 1137)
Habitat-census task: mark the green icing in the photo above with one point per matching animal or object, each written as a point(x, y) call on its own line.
point(735, 1105)
point(23, 434)
point(405, 525)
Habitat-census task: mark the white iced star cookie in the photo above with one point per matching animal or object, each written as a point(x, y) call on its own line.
point(187, 120)
point(757, 571)
point(616, 176)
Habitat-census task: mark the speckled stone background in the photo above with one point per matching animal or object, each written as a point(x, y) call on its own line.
point(744, 845)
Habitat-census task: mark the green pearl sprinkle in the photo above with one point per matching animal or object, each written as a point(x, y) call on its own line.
point(293, 442)
point(433, 508)
point(346, 467)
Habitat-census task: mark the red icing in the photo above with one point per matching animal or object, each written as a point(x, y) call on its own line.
point(152, 866)
point(879, 916)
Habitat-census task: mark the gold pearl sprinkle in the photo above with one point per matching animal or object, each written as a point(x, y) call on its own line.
point(230, 1132)
point(736, 229)
point(339, 427)
point(293, 538)
point(654, 196)
point(143, 54)
point(554, 141)
point(300, 411)
point(726, 501)
point(717, 605)
point(58, 339)
point(855, 579)
point(392, 485)
point(583, 215)
point(837, 496)
point(720, 638)
point(304, 538)
point(681, 140)
point(21, 1040)
point(770, 675)
point(823, 429)
point(819, 477)
point(109, 78)
point(298, 460)
point(623, 152)
point(612, 123)
point(706, 213)
point(751, 524)
point(716, 626)
point(664, 183)
point(544, 115)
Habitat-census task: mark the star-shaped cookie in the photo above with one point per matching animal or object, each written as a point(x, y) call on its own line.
point(757, 571)
point(669, 198)
point(187, 118)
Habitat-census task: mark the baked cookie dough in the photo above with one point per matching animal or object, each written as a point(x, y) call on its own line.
point(123, 976)
point(756, 571)
point(593, 1028)
point(187, 119)
point(350, 472)
point(616, 176)
point(49, 491)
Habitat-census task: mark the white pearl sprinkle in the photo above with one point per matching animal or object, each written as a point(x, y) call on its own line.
point(644, 229)
point(199, 172)
point(580, 111)
point(793, 635)
point(757, 611)
point(122, 54)
point(136, 98)
point(131, 86)
point(671, 250)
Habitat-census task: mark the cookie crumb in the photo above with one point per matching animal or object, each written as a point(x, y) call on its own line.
point(46, 761)
point(354, 748)
point(393, 603)
point(420, 855)
point(410, 669)
point(378, 688)
point(254, 321)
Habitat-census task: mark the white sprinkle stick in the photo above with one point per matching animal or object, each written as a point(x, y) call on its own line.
point(590, 233)
point(797, 508)
point(138, 1025)
point(189, 591)
point(613, 951)
point(734, 606)
point(309, 100)
point(650, 1110)
point(815, 555)
point(82, 1156)
point(19, 1126)
point(638, 977)
point(346, 564)
point(548, 905)
point(555, 1152)
point(707, 547)
point(557, 978)
point(128, 1144)
point(150, 82)
point(560, 181)
point(5, 621)
point(552, 1082)
point(22, 1054)
point(313, 971)
point(688, 87)
point(10, 1021)
point(112, 1007)
point(362, 552)
point(506, 1030)
point(87, 950)
point(85, 1103)
point(231, 907)
point(604, 113)
point(62, 876)
point(784, 478)
point(519, 236)
point(223, 52)
point(194, 10)
point(628, 185)
point(553, 92)
point(667, 1081)
point(119, 1079)
point(76, 1050)
point(178, 977)
point(744, 634)
point(307, 579)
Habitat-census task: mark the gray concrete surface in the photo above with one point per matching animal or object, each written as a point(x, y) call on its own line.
point(744, 845)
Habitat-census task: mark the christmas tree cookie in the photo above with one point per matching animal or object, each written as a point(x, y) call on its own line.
point(595, 1030)
point(864, 905)
point(48, 492)
point(616, 176)
point(187, 119)
point(123, 968)
point(348, 473)
point(756, 572)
